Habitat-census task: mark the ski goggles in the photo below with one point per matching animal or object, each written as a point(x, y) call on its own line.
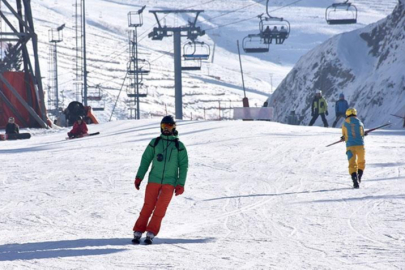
point(169, 126)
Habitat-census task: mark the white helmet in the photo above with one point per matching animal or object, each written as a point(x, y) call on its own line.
point(319, 92)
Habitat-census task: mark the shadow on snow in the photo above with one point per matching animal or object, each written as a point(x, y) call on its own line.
point(78, 247)
point(64, 248)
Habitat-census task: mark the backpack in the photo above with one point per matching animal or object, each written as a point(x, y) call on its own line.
point(176, 143)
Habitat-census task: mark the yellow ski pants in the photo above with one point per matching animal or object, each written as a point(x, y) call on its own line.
point(356, 156)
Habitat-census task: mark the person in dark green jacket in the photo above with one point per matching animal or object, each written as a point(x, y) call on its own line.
point(168, 175)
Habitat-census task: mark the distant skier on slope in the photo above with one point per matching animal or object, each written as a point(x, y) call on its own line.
point(353, 134)
point(319, 107)
point(340, 108)
point(79, 129)
point(12, 127)
point(168, 175)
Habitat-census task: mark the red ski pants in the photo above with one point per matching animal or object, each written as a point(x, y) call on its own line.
point(157, 199)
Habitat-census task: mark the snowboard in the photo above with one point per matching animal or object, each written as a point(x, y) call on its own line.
point(83, 136)
point(8, 137)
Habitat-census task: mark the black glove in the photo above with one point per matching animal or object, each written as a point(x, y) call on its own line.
point(326, 113)
point(342, 138)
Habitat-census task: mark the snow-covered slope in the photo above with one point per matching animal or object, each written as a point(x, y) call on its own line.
point(259, 195)
point(219, 80)
point(366, 65)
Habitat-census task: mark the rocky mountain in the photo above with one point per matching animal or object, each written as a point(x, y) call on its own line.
point(367, 65)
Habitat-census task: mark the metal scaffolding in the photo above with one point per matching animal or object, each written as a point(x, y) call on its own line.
point(136, 67)
point(55, 37)
point(20, 36)
point(78, 67)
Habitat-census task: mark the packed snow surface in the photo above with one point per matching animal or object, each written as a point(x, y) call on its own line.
point(259, 195)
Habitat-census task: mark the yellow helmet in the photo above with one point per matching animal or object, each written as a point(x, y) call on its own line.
point(351, 111)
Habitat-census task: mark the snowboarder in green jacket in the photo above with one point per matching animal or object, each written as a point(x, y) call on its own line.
point(168, 175)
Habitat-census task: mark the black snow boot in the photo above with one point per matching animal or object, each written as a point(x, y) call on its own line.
point(360, 175)
point(354, 178)
point(137, 238)
point(149, 238)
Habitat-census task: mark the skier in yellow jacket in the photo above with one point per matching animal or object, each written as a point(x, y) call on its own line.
point(353, 134)
point(319, 108)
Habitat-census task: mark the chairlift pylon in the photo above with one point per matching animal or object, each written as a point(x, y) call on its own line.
point(341, 13)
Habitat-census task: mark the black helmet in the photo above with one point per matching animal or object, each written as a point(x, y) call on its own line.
point(79, 118)
point(168, 119)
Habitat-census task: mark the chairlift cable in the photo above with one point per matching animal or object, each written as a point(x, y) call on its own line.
point(112, 56)
point(118, 97)
point(147, 31)
point(236, 22)
point(229, 12)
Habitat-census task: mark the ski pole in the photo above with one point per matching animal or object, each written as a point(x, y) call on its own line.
point(371, 130)
point(365, 133)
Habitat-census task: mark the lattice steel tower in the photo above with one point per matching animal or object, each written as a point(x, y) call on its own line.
point(21, 35)
point(137, 68)
point(55, 37)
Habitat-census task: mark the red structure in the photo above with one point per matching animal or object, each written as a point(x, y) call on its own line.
point(27, 92)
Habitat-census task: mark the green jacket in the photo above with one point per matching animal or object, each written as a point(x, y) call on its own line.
point(172, 169)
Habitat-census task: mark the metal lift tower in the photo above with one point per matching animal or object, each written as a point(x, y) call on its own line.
point(81, 58)
point(136, 67)
point(191, 31)
point(21, 35)
point(55, 37)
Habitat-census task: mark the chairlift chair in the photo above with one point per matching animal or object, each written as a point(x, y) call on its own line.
point(341, 13)
point(143, 67)
point(131, 90)
point(254, 43)
point(274, 29)
point(95, 98)
point(191, 65)
point(196, 50)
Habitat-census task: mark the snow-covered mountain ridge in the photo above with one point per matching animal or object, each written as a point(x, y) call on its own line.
point(366, 65)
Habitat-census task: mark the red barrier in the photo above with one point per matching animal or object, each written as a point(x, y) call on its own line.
point(17, 80)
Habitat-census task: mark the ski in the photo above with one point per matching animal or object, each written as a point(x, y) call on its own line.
point(365, 133)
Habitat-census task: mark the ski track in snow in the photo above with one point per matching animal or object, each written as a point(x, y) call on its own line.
point(259, 195)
